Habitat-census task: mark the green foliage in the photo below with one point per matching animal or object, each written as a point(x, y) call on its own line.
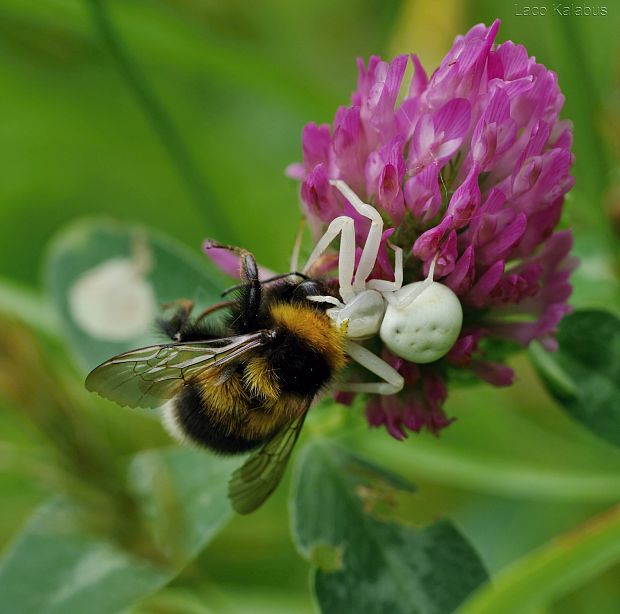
point(123, 528)
point(164, 516)
point(365, 561)
point(52, 568)
point(553, 571)
point(174, 271)
point(55, 566)
point(183, 513)
point(584, 374)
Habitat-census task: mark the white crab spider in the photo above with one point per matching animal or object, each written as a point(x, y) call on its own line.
point(419, 322)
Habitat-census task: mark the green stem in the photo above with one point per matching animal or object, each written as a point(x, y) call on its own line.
point(161, 121)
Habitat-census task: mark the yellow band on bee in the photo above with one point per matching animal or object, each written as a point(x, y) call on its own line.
point(261, 381)
point(314, 328)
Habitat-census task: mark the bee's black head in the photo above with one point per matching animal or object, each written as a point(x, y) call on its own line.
point(308, 287)
point(295, 289)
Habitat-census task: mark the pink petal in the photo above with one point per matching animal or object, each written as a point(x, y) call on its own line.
point(427, 244)
point(494, 373)
point(295, 171)
point(480, 294)
point(424, 135)
point(446, 257)
point(463, 274)
point(505, 240)
point(419, 80)
point(446, 150)
point(465, 200)
point(316, 142)
point(316, 193)
point(422, 194)
point(453, 118)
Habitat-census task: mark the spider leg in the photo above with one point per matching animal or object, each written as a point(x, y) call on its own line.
point(405, 301)
point(373, 240)
point(393, 381)
point(346, 260)
point(173, 325)
point(326, 299)
point(383, 285)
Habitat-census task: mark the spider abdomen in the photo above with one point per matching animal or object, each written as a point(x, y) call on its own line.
point(426, 329)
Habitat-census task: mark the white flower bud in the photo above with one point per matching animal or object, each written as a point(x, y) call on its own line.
point(113, 301)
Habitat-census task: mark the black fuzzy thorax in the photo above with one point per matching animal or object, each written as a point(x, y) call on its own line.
point(300, 370)
point(299, 367)
point(290, 291)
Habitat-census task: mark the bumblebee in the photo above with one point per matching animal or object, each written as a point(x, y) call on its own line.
point(246, 387)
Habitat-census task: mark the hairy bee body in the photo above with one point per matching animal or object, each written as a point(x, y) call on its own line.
point(239, 407)
point(246, 384)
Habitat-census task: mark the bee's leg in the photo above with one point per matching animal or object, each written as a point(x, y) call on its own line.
point(181, 327)
point(249, 268)
point(174, 325)
point(183, 304)
point(209, 310)
point(393, 380)
point(251, 292)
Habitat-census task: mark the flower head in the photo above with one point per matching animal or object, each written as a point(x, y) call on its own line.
point(468, 168)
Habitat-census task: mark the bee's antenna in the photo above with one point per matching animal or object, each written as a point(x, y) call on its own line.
point(266, 281)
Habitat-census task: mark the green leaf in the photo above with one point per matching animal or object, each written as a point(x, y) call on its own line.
point(184, 495)
point(556, 569)
point(56, 566)
point(595, 281)
point(584, 374)
point(512, 443)
point(367, 562)
point(21, 302)
point(166, 269)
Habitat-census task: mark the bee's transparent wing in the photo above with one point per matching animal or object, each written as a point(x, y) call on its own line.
point(258, 477)
point(148, 376)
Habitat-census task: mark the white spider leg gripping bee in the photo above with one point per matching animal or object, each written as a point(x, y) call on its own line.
point(419, 322)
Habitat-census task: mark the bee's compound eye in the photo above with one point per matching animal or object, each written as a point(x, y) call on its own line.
point(426, 329)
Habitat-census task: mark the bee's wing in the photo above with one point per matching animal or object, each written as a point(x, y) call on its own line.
point(148, 376)
point(258, 477)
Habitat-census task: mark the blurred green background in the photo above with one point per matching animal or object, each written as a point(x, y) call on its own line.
point(192, 138)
